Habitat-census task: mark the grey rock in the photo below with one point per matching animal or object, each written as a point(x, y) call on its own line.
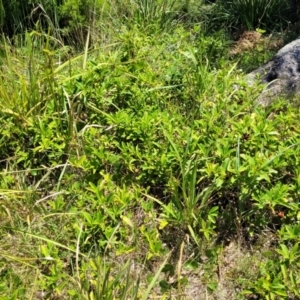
point(281, 74)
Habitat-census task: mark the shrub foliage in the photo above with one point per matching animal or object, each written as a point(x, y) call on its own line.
point(128, 168)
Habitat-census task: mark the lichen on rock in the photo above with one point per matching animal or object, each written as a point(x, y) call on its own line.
point(281, 74)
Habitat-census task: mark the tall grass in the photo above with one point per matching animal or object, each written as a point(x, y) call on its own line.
point(252, 14)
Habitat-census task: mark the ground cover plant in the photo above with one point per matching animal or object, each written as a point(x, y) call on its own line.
point(131, 165)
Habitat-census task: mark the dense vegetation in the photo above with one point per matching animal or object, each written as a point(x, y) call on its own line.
point(131, 165)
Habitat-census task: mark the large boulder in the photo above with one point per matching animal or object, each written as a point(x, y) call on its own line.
point(281, 74)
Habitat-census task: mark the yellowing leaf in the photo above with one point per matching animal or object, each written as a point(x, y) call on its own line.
point(162, 224)
point(127, 221)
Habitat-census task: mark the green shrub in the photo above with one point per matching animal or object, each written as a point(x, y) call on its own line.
point(113, 158)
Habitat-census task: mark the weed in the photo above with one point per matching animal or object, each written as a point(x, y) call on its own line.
point(134, 170)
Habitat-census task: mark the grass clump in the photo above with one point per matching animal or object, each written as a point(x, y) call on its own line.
point(135, 169)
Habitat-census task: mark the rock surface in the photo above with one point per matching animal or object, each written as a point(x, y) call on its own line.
point(281, 74)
